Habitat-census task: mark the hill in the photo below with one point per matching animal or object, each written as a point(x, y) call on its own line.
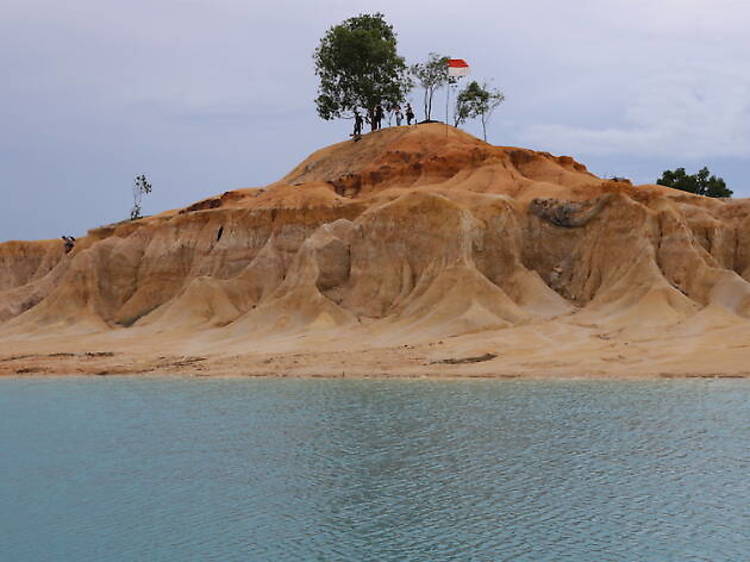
point(416, 251)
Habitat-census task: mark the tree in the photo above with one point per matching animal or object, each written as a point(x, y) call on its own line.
point(359, 68)
point(477, 100)
point(141, 187)
point(700, 183)
point(431, 75)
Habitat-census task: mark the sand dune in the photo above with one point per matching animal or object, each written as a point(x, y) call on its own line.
point(414, 251)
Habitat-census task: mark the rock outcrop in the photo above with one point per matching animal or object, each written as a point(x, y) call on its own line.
point(412, 233)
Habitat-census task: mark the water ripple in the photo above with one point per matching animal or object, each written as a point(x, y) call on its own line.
point(128, 469)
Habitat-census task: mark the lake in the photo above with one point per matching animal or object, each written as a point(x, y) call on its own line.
point(175, 469)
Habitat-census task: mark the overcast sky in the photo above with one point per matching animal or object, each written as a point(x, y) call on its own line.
point(205, 96)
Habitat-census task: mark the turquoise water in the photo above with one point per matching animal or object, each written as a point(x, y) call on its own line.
point(184, 469)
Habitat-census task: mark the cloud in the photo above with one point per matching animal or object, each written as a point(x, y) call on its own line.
point(700, 110)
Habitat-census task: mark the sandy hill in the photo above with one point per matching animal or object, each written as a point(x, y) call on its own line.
point(416, 250)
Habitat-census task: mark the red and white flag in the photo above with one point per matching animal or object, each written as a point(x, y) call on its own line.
point(457, 68)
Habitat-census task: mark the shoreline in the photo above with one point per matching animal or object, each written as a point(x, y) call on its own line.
point(43, 368)
point(381, 377)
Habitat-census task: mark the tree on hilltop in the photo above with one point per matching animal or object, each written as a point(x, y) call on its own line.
point(431, 75)
point(141, 187)
point(477, 100)
point(359, 68)
point(700, 183)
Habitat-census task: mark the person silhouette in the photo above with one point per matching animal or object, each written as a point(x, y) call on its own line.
point(409, 114)
point(70, 243)
point(357, 124)
point(378, 116)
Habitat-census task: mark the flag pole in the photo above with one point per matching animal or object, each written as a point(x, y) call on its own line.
point(447, 97)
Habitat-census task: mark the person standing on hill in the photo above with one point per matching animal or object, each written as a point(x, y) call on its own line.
point(409, 114)
point(398, 114)
point(70, 243)
point(357, 124)
point(378, 116)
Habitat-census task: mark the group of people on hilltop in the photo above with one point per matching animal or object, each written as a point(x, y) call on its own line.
point(376, 115)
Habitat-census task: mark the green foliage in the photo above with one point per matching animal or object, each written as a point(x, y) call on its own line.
point(431, 75)
point(700, 183)
point(359, 67)
point(141, 187)
point(477, 100)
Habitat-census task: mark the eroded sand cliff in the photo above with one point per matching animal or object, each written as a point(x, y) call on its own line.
point(415, 251)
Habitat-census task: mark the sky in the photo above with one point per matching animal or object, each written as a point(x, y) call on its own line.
point(205, 96)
